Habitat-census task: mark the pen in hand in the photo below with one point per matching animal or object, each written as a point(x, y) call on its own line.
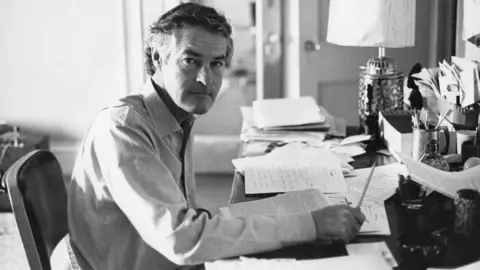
point(366, 185)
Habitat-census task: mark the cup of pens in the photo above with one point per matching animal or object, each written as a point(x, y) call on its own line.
point(423, 135)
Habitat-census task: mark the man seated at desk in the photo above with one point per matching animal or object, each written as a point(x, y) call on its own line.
point(131, 199)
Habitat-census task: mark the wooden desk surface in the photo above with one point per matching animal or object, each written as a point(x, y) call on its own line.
point(437, 214)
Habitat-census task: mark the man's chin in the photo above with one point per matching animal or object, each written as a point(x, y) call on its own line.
point(200, 110)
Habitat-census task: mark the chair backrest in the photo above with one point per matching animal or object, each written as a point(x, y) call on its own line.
point(39, 201)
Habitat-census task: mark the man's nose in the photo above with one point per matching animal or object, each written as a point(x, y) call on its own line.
point(205, 75)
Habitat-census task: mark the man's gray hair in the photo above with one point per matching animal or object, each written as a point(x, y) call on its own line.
point(182, 16)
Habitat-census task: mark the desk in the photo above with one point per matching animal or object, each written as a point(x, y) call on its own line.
point(438, 214)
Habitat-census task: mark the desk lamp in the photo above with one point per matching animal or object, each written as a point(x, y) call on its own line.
point(374, 23)
point(471, 23)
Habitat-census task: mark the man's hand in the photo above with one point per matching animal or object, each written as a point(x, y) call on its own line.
point(337, 222)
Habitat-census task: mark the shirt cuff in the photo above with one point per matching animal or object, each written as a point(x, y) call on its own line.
point(296, 229)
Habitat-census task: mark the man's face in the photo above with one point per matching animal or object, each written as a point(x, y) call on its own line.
point(192, 73)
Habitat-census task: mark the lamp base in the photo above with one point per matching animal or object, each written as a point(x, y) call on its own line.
point(380, 89)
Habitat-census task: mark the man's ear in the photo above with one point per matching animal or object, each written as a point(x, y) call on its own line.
point(156, 59)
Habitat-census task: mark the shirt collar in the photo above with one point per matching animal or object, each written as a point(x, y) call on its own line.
point(179, 113)
point(163, 117)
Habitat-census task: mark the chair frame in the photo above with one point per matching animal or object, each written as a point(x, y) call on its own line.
point(38, 242)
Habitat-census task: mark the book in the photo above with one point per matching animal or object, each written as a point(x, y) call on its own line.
point(396, 131)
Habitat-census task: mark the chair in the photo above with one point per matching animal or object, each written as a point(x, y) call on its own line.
point(39, 201)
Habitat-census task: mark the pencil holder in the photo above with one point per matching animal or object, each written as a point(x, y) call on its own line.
point(467, 213)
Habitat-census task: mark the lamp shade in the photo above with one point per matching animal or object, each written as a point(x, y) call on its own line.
point(471, 21)
point(372, 23)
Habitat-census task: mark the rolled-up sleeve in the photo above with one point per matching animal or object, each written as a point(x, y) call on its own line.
point(148, 194)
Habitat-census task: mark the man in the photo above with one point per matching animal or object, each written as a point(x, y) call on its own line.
point(131, 199)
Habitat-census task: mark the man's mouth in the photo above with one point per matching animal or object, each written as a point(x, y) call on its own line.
point(201, 94)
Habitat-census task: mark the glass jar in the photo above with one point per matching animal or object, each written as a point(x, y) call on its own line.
point(433, 158)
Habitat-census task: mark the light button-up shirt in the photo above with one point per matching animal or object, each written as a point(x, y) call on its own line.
point(126, 207)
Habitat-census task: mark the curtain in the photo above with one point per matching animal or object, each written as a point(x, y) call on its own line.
point(443, 25)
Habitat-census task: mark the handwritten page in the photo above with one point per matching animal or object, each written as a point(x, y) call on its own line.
point(296, 175)
point(286, 112)
point(283, 171)
point(383, 184)
point(377, 219)
point(379, 248)
point(294, 202)
point(376, 222)
point(447, 183)
point(357, 262)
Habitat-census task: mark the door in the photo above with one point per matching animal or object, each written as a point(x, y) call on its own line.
point(328, 72)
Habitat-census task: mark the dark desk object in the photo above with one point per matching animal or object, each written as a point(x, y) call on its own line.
point(437, 214)
point(27, 142)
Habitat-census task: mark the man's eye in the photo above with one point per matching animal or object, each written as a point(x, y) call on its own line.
point(189, 61)
point(218, 64)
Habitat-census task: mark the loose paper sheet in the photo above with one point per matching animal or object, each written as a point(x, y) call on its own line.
point(306, 201)
point(357, 262)
point(376, 222)
point(283, 171)
point(383, 184)
point(355, 139)
point(294, 202)
point(296, 175)
point(447, 183)
point(379, 248)
point(377, 219)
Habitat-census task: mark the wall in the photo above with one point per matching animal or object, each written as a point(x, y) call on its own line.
point(62, 61)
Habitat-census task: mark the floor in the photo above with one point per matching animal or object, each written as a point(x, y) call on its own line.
point(213, 191)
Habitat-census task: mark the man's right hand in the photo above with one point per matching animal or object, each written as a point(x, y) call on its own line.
point(337, 222)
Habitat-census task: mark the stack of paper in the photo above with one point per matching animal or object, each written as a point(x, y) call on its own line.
point(304, 121)
point(297, 113)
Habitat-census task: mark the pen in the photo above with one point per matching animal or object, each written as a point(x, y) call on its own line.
point(443, 118)
point(366, 185)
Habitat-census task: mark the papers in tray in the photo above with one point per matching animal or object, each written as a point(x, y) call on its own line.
point(357, 262)
point(282, 112)
point(251, 132)
point(333, 126)
point(447, 183)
